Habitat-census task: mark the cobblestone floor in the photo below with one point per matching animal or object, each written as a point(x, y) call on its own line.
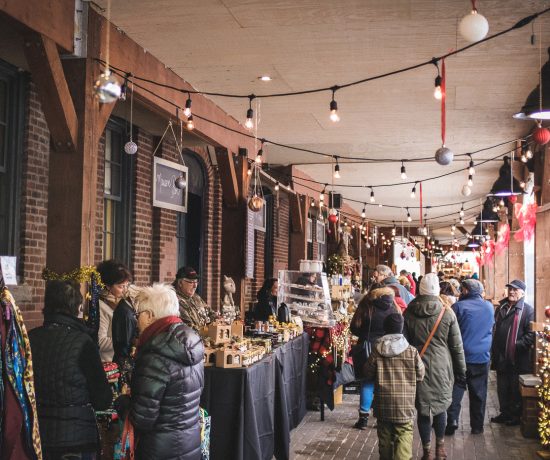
point(336, 439)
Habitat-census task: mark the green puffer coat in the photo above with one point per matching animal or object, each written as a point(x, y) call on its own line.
point(444, 356)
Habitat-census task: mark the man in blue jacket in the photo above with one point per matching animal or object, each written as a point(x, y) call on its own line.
point(475, 319)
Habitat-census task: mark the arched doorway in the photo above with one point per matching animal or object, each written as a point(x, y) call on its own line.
point(191, 223)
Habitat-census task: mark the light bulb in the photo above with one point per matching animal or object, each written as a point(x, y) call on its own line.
point(522, 184)
point(461, 213)
point(363, 213)
point(322, 196)
point(372, 199)
point(403, 172)
point(249, 123)
point(337, 171)
point(529, 154)
point(471, 169)
point(461, 221)
point(495, 209)
point(190, 125)
point(249, 171)
point(470, 181)
point(187, 109)
point(312, 203)
point(501, 202)
point(413, 193)
point(523, 158)
point(453, 227)
point(438, 94)
point(334, 117)
point(259, 156)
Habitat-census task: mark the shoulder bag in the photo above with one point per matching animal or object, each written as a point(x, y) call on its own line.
point(430, 337)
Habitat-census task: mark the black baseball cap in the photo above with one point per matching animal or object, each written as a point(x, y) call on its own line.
point(189, 273)
point(518, 284)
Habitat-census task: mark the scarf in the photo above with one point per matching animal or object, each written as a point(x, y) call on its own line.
point(160, 325)
point(510, 352)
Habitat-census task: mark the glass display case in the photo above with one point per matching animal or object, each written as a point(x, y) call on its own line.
point(307, 295)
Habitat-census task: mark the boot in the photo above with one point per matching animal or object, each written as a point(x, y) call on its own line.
point(361, 423)
point(427, 455)
point(440, 452)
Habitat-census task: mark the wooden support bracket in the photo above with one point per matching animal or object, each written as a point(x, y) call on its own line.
point(228, 176)
point(296, 214)
point(47, 71)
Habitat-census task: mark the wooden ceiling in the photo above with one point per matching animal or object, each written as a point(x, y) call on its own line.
point(225, 45)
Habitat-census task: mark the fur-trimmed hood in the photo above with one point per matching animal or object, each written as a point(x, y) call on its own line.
point(380, 292)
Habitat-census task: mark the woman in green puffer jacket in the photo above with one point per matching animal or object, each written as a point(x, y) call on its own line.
point(443, 359)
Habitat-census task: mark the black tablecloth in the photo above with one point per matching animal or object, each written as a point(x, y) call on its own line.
point(253, 409)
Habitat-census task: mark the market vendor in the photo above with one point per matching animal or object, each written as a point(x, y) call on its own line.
point(193, 310)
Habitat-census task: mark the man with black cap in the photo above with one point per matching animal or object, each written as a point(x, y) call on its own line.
point(475, 317)
point(193, 310)
point(513, 342)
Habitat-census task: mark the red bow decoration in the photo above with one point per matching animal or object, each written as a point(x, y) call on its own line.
point(487, 253)
point(527, 219)
point(503, 238)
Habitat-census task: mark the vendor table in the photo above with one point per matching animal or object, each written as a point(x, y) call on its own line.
point(253, 409)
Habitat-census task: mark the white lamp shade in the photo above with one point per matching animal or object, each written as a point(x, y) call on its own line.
point(473, 27)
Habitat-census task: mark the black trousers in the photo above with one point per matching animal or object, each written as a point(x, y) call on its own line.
point(509, 397)
point(476, 383)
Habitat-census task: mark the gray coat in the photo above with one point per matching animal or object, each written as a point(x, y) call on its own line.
point(444, 356)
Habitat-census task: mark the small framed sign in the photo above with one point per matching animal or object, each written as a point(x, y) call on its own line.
point(165, 193)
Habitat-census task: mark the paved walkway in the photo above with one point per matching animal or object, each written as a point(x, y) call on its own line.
point(336, 439)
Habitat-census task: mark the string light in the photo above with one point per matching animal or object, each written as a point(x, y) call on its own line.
point(413, 191)
point(187, 109)
point(470, 180)
point(260, 154)
point(403, 171)
point(471, 169)
point(372, 199)
point(277, 186)
point(522, 184)
point(364, 212)
point(461, 213)
point(453, 227)
point(322, 195)
point(438, 94)
point(334, 117)
point(190, 125)
point(249, 123)
point(409, 218)
point(529, 153)
point(337, 169)
point(249, 171)
point(524, 158)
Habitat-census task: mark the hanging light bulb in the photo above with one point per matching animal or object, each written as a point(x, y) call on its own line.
point(501, 202)
point(322, 195)
point(187, 109)
point(453, 227)
point(461, 213)
point(529, 153)
point(413, 191)
point(334, 117)
point(337, 169)
point(522, 184)
point(372, 199)
point(249, 123)
point(276, 186)
point(190, 125)
point(471, 169)
point(470, 180)
point(409, 218)
point(495, 208)
point(438, 94)
point(249, 171)
point(364, 212)
point(403, 171)
point(312, 203)
point(523, 158)
point(260, 155)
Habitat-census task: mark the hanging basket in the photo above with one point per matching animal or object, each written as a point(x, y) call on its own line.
point(256, 203)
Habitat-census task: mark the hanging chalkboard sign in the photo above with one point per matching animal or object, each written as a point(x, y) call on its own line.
point(165, 193)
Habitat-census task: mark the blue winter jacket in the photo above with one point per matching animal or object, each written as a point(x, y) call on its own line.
point(475, 319)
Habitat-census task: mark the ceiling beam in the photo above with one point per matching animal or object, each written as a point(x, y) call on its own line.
point(228, 177)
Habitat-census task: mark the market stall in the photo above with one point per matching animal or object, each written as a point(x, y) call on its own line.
point(254, 408)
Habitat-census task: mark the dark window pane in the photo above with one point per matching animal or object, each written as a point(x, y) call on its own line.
point(3, 100)
point(3, 150)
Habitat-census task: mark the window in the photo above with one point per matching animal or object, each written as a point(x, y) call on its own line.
point(118, 195)
point(321, 239)
point(12, 110)
point(309, 237)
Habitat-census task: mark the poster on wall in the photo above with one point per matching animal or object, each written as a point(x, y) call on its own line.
point(165, 193)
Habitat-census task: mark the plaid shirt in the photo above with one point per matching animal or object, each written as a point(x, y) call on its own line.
point(395, 383)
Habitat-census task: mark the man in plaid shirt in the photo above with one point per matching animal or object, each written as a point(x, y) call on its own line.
point(396, 367)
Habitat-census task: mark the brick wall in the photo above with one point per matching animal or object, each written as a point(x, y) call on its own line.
point(34, 211)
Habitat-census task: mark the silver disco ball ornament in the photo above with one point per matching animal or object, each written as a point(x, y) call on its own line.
point(181, 182)
point(466, 190)
point(444, 156)
point(130, 148)
point(107, 88)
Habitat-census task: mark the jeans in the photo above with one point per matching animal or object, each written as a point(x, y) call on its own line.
point(476, 382)
point(425, 426)
point(509, 397)
point(365, 397)
point(395, 440)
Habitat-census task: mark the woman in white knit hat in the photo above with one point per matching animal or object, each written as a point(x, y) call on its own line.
point(443, 358)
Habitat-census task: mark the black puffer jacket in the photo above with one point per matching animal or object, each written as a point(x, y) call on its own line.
point(166, 388)
point(70, 383)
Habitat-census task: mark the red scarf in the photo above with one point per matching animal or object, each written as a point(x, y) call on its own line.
point(160, 325)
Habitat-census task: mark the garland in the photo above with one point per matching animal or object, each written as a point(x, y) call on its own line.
point(543, 390)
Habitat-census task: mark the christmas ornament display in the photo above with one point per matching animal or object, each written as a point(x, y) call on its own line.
point(444, 156)
point(130, 147)
point(541, 135)
point(255, 203)
point(473, 27)
point(333, 216)
point(107, 88)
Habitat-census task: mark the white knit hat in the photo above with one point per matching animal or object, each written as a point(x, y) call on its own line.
point(429, 285)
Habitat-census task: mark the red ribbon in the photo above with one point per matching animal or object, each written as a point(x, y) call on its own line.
point(443, 97)
point(420, 203)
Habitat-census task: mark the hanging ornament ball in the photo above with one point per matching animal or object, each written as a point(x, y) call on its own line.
point(466, 190)
point(107, 88)
point(130, 147)
point(473, 27)
point(541, 135)
point(444, 156)
point(547, 311)
point(513, 199)
point(256, 203)
point(180, 182)
point(333, 218)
